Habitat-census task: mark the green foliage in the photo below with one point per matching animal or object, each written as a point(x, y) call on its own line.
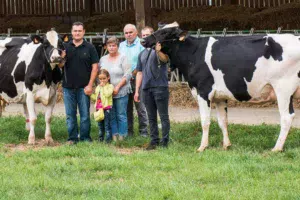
point(125, 171)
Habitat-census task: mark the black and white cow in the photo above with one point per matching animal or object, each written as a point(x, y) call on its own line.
point(242, 68)
point(29, 74)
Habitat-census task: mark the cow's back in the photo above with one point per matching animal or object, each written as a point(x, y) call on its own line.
point(14, 58)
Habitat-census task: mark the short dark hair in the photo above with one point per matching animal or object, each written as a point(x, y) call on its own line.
point(148, 28)
point(78, 24)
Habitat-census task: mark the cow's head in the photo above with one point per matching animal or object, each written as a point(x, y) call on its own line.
point(166, 34)
point(52, 46)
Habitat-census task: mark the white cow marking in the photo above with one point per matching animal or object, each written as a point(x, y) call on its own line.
point(174, 24)
point(26, 54)
point(3, 43)
point(52, 37)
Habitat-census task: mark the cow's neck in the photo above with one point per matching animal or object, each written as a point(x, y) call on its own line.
point(182, 55)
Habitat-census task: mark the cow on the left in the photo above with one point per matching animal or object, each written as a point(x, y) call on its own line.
point(29, 74)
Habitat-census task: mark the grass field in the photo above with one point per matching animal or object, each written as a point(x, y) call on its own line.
point(249, 170)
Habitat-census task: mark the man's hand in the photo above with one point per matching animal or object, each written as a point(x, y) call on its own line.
point(136, 97)
point(88, 90)
point(157, 47)
point(63, 54)
point(63, 60)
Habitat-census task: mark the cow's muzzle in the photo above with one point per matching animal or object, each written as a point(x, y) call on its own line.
point(55, 59)
point(143, 42)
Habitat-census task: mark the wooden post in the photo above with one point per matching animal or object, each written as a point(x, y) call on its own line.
point(142, 13)
point(227, 2)
point(88, 8)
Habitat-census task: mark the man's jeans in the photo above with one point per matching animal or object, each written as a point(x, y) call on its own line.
point(157, 99)
point(72, 99)
point(119, 116)
point(105, 127)
point(141, 112)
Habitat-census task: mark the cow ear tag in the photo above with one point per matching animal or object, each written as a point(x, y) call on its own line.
point(66, 38)
point(182, 38)
point(35, 41)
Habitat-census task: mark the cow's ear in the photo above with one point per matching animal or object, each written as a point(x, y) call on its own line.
point(183, 35)
point(36, 39)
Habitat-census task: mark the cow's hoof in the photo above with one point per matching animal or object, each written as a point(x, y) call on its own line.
point(226, 147)
point(201, 149)
point(31, 142)
point(49, 140)
point(277, 150)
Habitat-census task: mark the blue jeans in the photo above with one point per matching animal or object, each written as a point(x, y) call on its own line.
point(157, 99)
point(119, 116)
point(72, 99)
point(105, 127)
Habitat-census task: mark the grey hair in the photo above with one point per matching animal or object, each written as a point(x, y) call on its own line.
point(130, 25)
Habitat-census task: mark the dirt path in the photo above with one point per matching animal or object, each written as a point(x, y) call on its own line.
point(179, 114)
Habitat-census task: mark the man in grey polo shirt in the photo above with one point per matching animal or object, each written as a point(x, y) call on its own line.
point(152, 76)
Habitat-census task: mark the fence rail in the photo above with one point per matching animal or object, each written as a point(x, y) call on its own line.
point(60, 7)
point(175, 76)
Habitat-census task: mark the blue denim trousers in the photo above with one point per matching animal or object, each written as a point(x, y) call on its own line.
point(119, 116)
point(105, 127)
point(157, 99)
point(72, 99)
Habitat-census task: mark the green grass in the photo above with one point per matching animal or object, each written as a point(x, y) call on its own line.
point(99, 171)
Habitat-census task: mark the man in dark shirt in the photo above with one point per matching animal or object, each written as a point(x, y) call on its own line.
point(80, 71)
point(152, 75)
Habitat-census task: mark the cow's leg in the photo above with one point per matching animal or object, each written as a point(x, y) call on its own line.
point(221, 108)
point(285, 105)
point(26, 115)
point(48, 115)
point(32, 116)
point(205, 110)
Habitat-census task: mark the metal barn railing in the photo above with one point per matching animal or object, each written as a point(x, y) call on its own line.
point(100, 37)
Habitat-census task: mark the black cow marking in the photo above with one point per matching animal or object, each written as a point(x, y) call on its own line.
point(291, 108)
point(273, 49)
point(232, 67)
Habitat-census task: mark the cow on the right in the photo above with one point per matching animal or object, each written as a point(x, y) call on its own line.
point(255, 69)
